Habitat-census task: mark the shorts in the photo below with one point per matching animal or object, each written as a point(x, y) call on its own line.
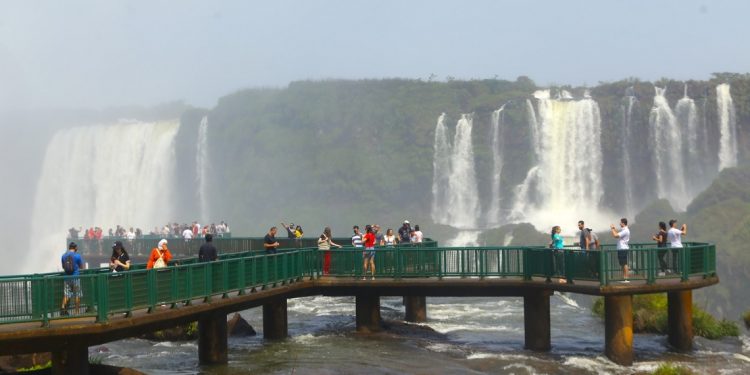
point(72, 288)
point(368, 254)
point(622, 257)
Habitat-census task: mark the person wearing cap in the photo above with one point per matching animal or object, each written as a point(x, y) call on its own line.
point(207, 252)
point(120, 260)
point(72, 288)
point(404, 233)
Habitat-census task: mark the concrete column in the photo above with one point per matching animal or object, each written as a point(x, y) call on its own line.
point(74, 360)
point(416, 309)
point(368, 313)
point(618, 329)
point(536, 320)
point(212, 338)
point(680, 319)
point(275, 320)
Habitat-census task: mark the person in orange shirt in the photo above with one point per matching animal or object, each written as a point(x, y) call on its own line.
point(160, 256)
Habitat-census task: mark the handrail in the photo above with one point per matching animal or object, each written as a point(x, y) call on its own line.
point(38, 297)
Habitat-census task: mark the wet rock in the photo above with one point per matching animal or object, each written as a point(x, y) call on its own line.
point(238, 326)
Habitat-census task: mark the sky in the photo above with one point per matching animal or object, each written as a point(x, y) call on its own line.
point(98, 54)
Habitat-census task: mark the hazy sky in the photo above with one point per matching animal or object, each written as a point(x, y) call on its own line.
point(93, 54)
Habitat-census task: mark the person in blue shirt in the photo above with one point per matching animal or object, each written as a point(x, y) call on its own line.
point(72, 263)
point(557, 244)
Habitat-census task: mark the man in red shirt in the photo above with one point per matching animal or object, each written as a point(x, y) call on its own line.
point(368, 256)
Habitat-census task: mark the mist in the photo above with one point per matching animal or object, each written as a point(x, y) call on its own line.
point(83, 64)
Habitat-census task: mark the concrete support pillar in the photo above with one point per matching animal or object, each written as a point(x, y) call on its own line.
point(275, 320)
point(536, 320)
point(74, 360)
point(680, 319)
point(416, 309)
point(618, 329)
point(368, 313)
point(212, 338)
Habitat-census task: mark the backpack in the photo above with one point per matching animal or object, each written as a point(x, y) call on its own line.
point(69, 265)
point(594, 240)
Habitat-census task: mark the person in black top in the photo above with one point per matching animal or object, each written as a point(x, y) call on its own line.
point(404, 233)
point(120, 260)
point(269, 241)
point(207, 252)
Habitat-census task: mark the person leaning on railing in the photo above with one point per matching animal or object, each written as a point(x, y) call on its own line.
point(120, 260)
point(325, 242)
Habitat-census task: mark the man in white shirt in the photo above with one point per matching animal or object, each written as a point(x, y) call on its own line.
point(674, 235)
point(187, 234)
point(623, 239)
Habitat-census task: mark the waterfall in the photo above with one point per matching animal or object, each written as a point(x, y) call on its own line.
point(101, 176)
point(627, 167)
point(493, 215)
point(727, 127)
point(463, 195)
point(441, 164)
point(202, 167)
point(454, 185)
point(686, 113)
point(665, 141)
point(566, 182)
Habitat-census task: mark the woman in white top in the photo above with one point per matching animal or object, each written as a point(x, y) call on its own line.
point(418, 236)
point(390, 240)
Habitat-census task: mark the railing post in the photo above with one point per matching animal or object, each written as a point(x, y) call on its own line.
point(651, 265)
point(151, 292)
point(602, 267)
point(102, 303)
point(208, 281)
point(686, 263)
point(526, 263)
point(241, 275)
point(569, 259)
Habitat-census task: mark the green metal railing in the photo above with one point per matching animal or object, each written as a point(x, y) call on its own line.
point(38, 297)
point(180, 247)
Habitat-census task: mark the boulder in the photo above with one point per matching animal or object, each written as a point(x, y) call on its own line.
point(237, 326)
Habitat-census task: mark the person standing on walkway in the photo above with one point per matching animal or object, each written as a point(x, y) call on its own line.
point(661, 242)
point(269, 241)
point(404, 233)
point(368, 256)
point(418, 235)
point(324, 244)
point(557, 246)
point(674, 237)
point(207, 252)
point(623, 247)
point(160, 256)
point(357, 237)
point(120, 260)
point(72, 263)
point(583, 237)
point(390, 240)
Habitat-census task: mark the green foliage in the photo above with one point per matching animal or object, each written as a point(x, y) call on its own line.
point(96, 359)
point(672, 369)
point(746, 319)
point(35, 368)
point(650, 315)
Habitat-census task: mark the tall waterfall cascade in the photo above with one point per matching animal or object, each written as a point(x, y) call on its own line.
point(727, 127)
point(496, 126)
point(627, 166)
point(666, 144)
point(566, 183)
point(455, 193)
point(121, 174)
point(202, 167)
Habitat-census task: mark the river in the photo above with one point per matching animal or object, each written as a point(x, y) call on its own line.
point(462, 335)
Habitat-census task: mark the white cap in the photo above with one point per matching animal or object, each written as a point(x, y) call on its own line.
point(406, 221)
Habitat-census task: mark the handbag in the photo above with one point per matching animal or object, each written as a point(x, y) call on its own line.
point(160, 262)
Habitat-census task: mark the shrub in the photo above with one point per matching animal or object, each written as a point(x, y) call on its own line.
point(672, 369)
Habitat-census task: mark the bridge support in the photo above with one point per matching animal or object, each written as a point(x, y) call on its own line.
point(212, 338)
point(368, 313)
point(536, 320)
point(618, 329)
point(416, 309)
point(74, 360)
point(680, 319)
point(275, 320)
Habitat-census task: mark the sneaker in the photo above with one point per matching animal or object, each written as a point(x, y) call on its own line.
point(626, 281)
point(364, 278)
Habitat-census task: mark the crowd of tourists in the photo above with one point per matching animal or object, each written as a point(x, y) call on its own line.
point(588, 240)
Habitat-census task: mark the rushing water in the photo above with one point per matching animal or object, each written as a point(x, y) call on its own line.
point(202, 167)
point(103, 176)
point(566, 184)
point(493, 214)
point(457, 199)
point(627, 167)
point(462, 335)
point(727, 127)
